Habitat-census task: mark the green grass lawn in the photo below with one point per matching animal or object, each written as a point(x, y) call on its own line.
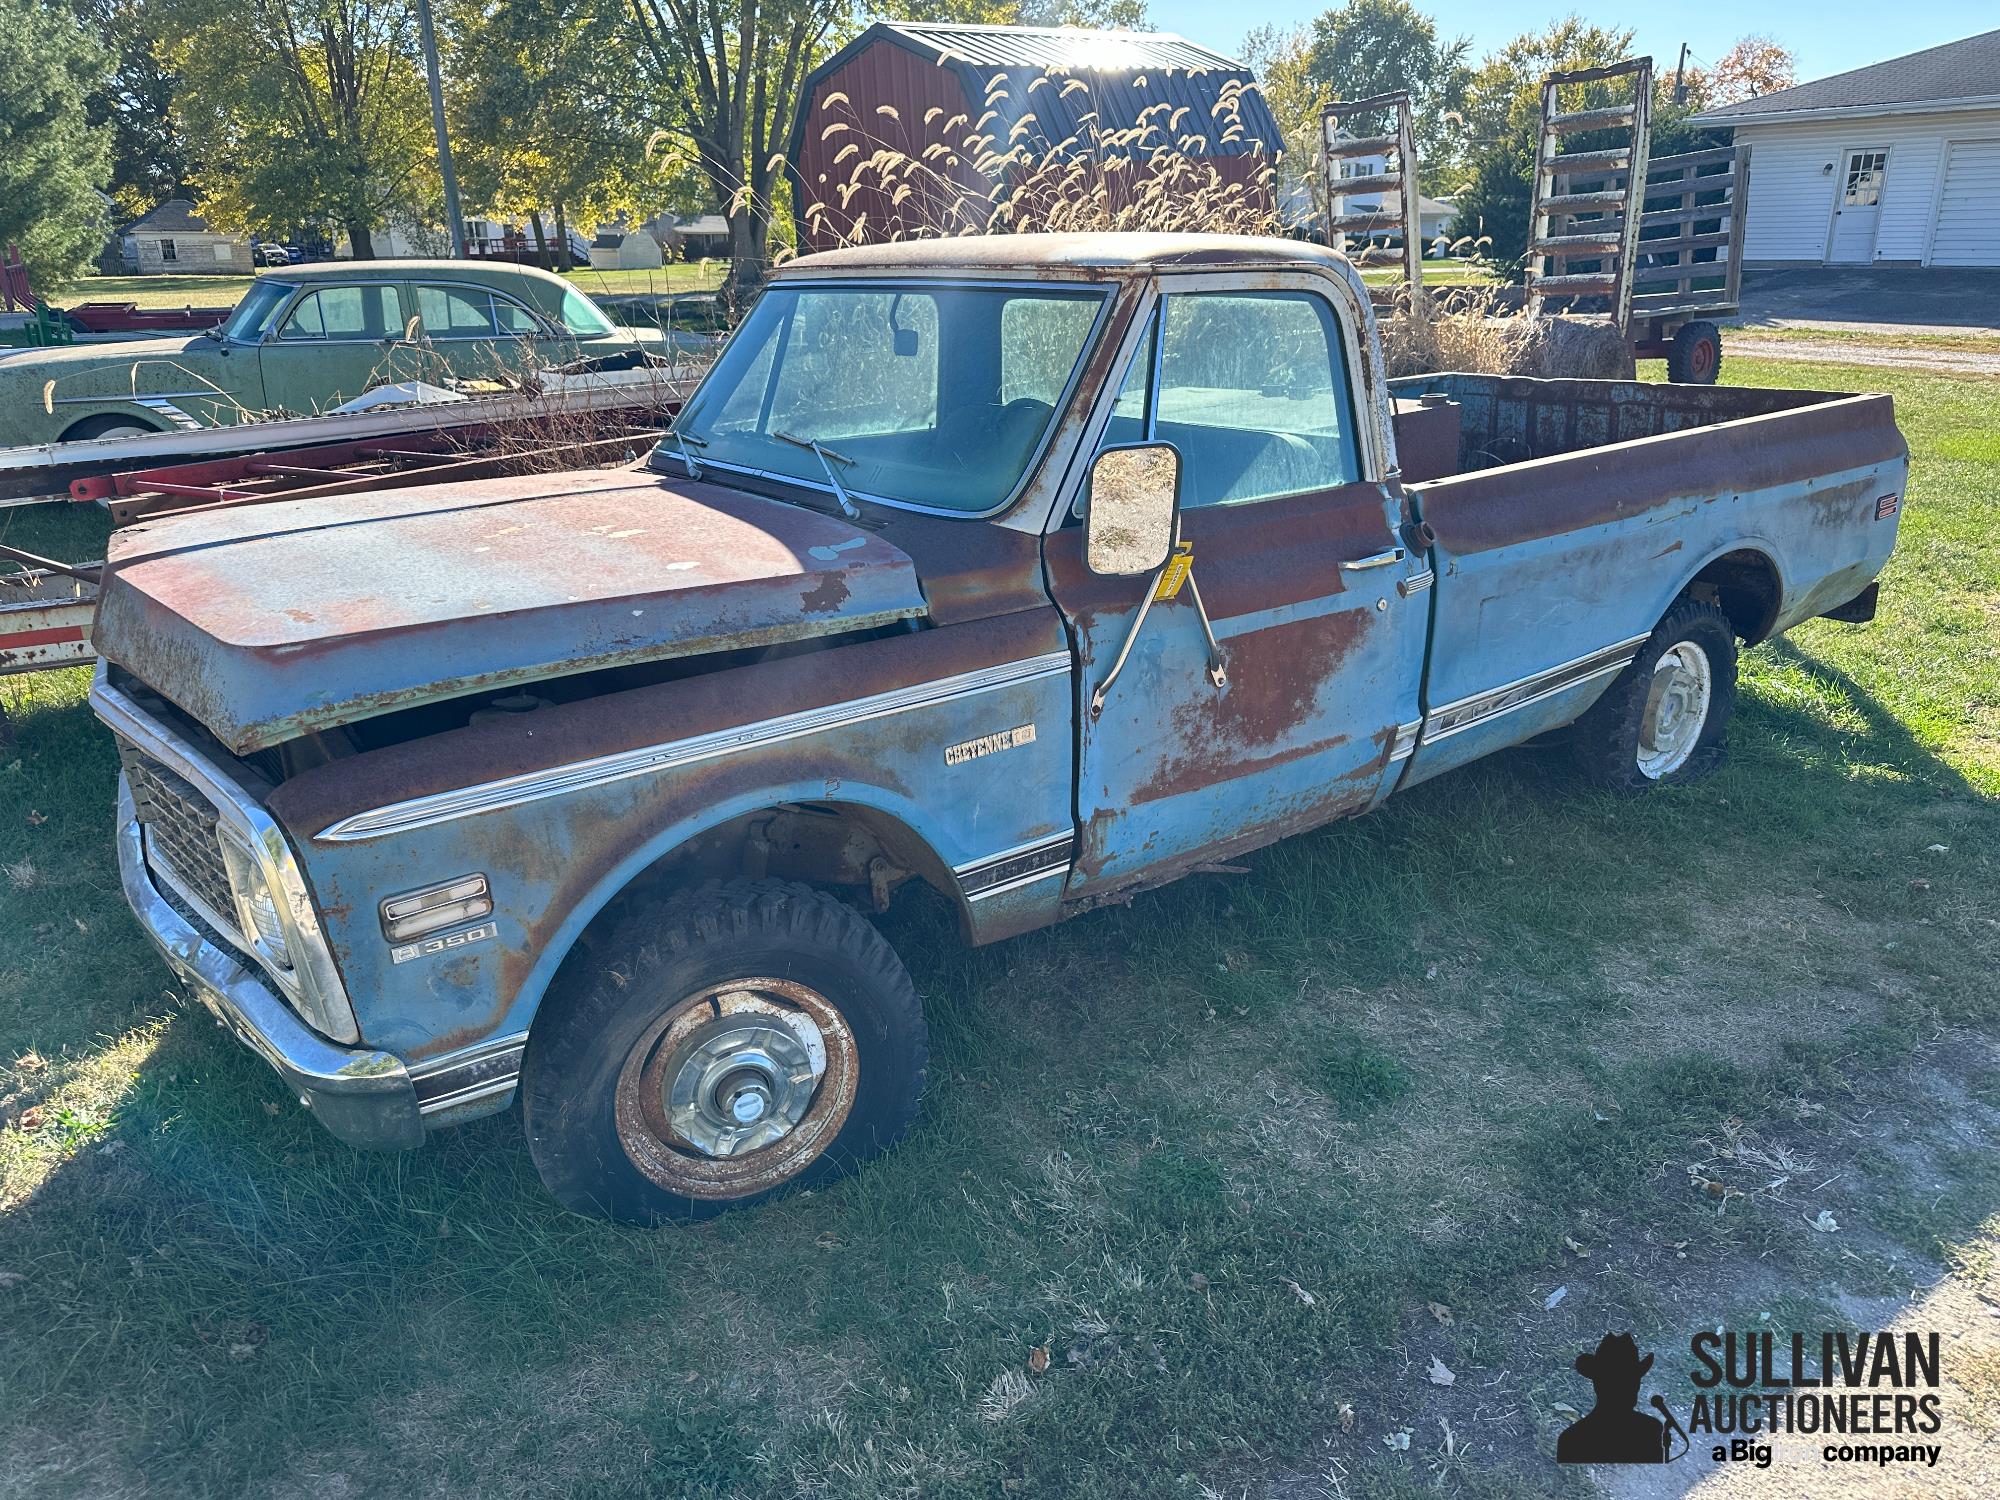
point(226, 291)
point(1470, 1081)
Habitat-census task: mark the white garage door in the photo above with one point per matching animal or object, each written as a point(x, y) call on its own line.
point(1968, 225)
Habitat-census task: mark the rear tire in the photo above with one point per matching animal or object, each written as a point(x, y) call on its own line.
point(1695, 356)
point(1664, 719)
point(717, 1047)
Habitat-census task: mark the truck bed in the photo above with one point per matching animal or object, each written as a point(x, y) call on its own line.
point(1510, 419)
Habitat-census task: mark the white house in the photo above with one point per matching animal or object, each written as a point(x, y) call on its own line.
point(1896, 164)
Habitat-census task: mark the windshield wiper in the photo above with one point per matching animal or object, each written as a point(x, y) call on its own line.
point(827, 459)
point(681, 440)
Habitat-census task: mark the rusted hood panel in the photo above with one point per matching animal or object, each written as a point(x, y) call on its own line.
point(268, 621)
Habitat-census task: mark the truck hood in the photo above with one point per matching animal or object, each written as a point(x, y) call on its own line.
point(265, 622)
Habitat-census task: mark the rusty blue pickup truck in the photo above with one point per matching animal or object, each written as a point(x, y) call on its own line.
point(1035, 570)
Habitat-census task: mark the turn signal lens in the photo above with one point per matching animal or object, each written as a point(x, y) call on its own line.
point(416, 913)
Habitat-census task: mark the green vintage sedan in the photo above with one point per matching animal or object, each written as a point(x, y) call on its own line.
point(307, 338)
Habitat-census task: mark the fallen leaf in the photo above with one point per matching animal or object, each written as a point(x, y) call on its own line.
point(1442, 1314)
point(1038, 1360)
point(1574, 1248)
point(35, 819)
point(241, 1352)
point(1439, 1374)
point(1198, 1281)
point(1346, 1417)
point(1826, 1223)
point(1554, 1297)
point(1564, 1409)
point(31, 1119)
point(1299, 1292)
point(31, 1062)
point(1937, 849)
point(1398, 1440)
point(270, 1106)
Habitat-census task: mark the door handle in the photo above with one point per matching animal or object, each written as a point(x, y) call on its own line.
point(1379, 560)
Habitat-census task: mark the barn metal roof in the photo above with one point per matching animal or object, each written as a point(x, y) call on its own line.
point(1070, 47)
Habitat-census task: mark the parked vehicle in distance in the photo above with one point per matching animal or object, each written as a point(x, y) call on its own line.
point(305, 340)
point(1037, 570)
point(271, 254)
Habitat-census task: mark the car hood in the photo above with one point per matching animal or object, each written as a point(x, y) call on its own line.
point(266, 622)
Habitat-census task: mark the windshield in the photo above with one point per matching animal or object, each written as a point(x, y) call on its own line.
point(581, 317)
point(246, 324)
point(920, 394)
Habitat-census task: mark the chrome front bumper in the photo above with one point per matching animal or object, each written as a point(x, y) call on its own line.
point(364, 1097)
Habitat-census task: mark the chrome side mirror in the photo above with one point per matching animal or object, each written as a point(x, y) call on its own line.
point(1134, 496)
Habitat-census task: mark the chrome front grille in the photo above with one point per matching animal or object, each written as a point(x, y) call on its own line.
point(182, 841)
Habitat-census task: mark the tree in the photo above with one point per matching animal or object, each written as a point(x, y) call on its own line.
point(1282, 62)
point(1503, 101)
point(53, 160)
point(545, 104)
point(1370, 47)
point(150, 159)
point(305, 112)
point(731, 77)
point(1756, 65)
point(1124, 15)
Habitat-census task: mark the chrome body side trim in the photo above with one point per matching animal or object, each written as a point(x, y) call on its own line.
point(321, 991)
point(363, 1096)
point(1470, 712)
point(485, 1070)
point(556, 781)
point(1010, 869)
point(1405, 743)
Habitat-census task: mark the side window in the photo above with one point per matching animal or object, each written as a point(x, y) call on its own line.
point(514, 318)
point(1253, 391)
point(346, 312)
point(451, 312)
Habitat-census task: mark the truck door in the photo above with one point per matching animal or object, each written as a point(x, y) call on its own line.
point(1318, 613)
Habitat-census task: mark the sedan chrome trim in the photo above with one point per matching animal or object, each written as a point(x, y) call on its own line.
point(556, 781)
point(1468, 713)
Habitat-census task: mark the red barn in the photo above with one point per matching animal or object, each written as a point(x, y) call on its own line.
point(914, 128)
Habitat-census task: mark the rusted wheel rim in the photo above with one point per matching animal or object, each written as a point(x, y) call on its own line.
point(1677, 704)
point(1703, 357)
point(737, 1089)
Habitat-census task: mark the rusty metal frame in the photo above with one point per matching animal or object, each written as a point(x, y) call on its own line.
point(1402, 181)
point(1597, 239)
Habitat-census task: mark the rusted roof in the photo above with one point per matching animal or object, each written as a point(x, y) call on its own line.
point(1082, 252)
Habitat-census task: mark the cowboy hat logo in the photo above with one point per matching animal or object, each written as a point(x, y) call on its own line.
point(1615, 1431)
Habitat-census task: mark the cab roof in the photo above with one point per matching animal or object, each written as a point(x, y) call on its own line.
point(1099, 253)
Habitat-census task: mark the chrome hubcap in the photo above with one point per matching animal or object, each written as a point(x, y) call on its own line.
point(1676, 710)
point(742, 1081)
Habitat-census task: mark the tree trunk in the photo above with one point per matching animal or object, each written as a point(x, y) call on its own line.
point(541, 240)
point(562, 239)
point(362, 241)
point(746, 249)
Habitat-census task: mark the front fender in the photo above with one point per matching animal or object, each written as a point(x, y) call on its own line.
point(563, 809)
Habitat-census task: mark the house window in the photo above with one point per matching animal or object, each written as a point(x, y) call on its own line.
point(167, 252)
point(1864, 179)
point(224, 252)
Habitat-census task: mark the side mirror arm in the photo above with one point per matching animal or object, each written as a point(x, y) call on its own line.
point(1163, 585)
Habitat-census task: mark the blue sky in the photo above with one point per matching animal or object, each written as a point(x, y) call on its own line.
point(1828, 36)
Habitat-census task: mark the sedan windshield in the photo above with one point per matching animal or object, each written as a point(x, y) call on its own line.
point(247, 323)
point(920, 394)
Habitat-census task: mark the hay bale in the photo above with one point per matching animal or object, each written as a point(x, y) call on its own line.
point(1576, 349)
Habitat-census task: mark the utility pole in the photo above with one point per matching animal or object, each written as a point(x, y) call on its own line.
point(427, 33)
point(1680, 76)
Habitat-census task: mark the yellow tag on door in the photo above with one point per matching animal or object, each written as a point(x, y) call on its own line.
point(1175, 573)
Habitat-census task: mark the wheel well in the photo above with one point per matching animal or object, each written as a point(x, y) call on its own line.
point(1745, 586)
point(839, 846)
point(89, 427)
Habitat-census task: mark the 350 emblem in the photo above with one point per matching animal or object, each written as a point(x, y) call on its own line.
point(402, 953)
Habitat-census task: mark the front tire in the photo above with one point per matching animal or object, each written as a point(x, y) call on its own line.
point(722, 1045)
point(1665, 717)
